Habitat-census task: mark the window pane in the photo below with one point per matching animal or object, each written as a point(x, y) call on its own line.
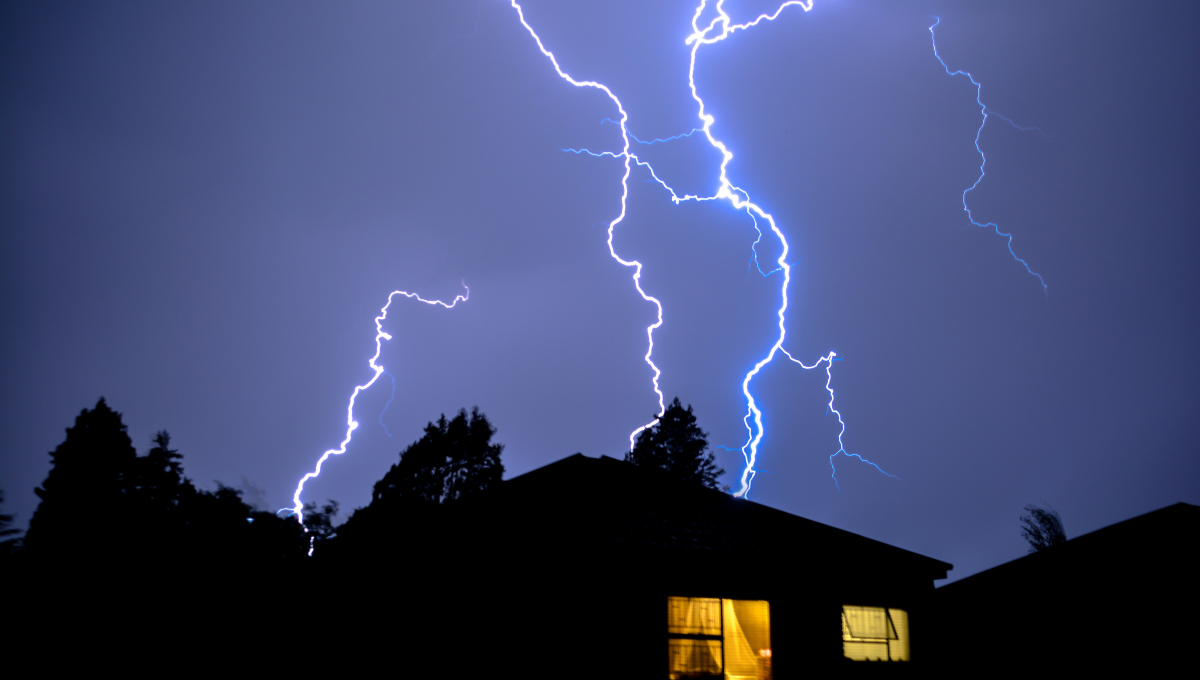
point(874, 634)
point(747, 639)
point(694, 658)
point(867, 622)
point(714, 638)
point(899, 646)
point(693, 616)
point(865, 651)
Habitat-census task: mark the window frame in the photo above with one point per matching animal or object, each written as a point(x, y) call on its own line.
point(674, 634)
point(897, 646)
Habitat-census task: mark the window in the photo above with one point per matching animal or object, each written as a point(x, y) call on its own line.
point(874, 634)
point(715, 638)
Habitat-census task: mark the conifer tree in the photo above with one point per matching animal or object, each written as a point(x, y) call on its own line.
point(678, 447)
point(84, 499)
point(101, 501)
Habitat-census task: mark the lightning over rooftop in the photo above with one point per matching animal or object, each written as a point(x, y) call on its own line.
point(720, 27)
point(717, 29)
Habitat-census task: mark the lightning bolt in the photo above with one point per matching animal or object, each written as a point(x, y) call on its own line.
point(828, 361)
point(718, 29)
point(351, 424)
point(652, 141)
point(985, 111)
point(626, 157)
point(388, 404)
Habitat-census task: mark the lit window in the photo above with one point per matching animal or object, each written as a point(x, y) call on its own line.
point(874, 634)
point(710, 637)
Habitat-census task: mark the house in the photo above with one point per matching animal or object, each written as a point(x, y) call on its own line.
point(585, 568)
point(613, 570)
point(1124, 595)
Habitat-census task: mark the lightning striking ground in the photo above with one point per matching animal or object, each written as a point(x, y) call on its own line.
point(719, 28)
point(380, 335)
point(985, 111)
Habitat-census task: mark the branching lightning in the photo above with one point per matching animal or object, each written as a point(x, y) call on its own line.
point(985, 111)
point(654, 141)
point(828, 361)
point(626, 157)
point(351, 424)
point(741, 200)
point(718, 29)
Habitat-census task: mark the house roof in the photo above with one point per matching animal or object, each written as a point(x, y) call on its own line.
point(1118, 597)
point(608, 506)
point(1152, 545)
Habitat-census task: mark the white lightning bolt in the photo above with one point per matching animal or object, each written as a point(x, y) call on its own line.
point(626, 156)
point(351, 424)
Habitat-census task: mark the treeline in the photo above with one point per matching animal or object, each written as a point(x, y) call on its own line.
point(101, 501)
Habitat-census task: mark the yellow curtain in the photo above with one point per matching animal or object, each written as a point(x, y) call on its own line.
point(747, 639)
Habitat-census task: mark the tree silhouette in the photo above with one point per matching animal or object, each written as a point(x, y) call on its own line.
point(455, 459)
point(1042, 528)
point(318, 520)
point(678, 447)
point(221, 527)
point(10, 536)
point(158, 497)
point(84, 500)
point(103, 501)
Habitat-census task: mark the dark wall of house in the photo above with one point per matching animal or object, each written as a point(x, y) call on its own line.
point(586, 576)
point(565, 615)
point(602, 611)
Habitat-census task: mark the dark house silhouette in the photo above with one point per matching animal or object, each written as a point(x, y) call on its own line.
point(1121, 596)
point(610, 570)
point(585, 568)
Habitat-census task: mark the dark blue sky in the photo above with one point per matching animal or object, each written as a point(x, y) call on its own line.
point(204, 207)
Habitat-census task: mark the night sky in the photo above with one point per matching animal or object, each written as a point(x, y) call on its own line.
point(205, 205)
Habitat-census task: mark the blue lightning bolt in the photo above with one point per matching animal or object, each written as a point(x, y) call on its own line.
point(828, 361)
point(717, 30)
point(985, 111)
point(389, 403)
point(652, 141)
point(351, 424)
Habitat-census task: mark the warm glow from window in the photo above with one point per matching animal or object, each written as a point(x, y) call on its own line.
point(694, 616)
point(710, 637)
point(874, 634)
